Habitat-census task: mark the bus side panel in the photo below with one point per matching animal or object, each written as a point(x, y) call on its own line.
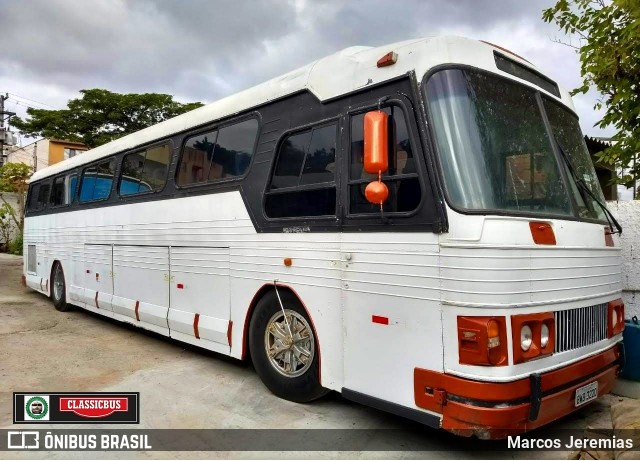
point(392, 312)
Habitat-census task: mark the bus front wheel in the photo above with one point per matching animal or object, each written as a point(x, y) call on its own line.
point(59, 289)
point(284, 348)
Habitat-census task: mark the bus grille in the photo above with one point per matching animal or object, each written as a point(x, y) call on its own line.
point(580, 327)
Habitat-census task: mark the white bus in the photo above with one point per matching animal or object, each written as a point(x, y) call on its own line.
point(417, 226)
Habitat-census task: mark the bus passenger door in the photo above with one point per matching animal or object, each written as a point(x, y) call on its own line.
point(200, 304)
point(98, 277)
point(141, 286)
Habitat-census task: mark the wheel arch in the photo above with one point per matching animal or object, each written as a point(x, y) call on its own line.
point(267, 288)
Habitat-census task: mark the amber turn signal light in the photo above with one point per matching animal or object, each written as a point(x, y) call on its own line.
point(482, 341)
point(542, 233)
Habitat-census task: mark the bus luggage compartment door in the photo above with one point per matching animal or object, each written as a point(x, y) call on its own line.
point(200, 300)
point(98, 277)
point(141, 286)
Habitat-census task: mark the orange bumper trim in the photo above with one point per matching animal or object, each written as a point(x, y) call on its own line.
point(495, 410)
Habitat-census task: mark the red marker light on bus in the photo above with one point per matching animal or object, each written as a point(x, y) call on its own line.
point(388, 59)
point(616, 317)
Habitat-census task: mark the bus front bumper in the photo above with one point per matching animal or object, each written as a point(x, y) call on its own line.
point(493, 410)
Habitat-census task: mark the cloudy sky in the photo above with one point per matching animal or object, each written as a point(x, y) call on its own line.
point(202, 50)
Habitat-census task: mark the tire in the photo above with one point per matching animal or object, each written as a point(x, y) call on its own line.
point(288, 375)
point(59, 289)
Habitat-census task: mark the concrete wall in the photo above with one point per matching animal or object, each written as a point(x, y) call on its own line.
point(12, 199)
point(628, 214)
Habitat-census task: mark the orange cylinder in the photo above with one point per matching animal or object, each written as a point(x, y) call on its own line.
point(376, 142)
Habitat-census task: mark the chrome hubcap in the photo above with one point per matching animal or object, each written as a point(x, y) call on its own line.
point(289, 343)
point(58, 283)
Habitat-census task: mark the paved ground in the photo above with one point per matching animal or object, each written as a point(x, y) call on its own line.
point(184, 387)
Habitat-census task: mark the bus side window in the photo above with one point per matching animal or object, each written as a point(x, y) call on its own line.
point(97, 181)
point(34, 190)
point(303, 180)
point(71, 182)
point(43, 196)
point(58, 192)
point(217, 154)
point(401, 178)
point(233, 151)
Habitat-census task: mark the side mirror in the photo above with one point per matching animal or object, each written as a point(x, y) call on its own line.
point(376, 154)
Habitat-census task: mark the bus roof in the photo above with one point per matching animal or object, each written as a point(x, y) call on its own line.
point(341, 73)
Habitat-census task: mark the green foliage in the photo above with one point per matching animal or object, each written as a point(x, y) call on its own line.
point(6, 225)
point(13, 178)
point(100, 116)
point(15, 247)
point(609, 46)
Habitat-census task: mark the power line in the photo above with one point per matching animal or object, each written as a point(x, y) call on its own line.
point(28, 106)
point(33, 100)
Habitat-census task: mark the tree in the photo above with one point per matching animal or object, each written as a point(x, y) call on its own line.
point(608, 32)
point(100, 116)
point(13, 178)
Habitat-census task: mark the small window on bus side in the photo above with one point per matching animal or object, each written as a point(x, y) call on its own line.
point(34, 189)
point(145, 171)
point(401, 178)
point(97, 181)
point(303, 179)
point(58, 192)
point(42, 197)
point(64, 190)
point(71, 182)
point(218, 154)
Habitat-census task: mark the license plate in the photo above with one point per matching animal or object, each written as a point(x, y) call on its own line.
point(586, 393)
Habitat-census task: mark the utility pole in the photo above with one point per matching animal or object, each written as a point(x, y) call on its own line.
point(2, 98)
point(2, 130)
point(35, 156)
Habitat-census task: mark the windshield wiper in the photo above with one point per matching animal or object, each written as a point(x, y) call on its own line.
point(583, 186)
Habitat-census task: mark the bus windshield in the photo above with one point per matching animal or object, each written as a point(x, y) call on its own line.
point(496, 153)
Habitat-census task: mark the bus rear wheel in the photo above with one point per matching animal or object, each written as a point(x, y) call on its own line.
point(284, 348)
point(59, 289)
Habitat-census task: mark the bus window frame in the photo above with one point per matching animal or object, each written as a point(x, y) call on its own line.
point(120, 170)
point(45, 205)
point(66, 174)
point(437, 157)
point(215, 126)
point(338, 120)
point(50, 205)
point(419, 158)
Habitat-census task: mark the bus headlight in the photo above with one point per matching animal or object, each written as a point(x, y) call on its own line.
point(526, 337)
point(544, 335)
point(537, 336)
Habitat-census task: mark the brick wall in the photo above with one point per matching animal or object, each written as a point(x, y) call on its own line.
point(628, 213)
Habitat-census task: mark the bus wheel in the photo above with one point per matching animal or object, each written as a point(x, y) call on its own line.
point(58, 289)
point(284, 348)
